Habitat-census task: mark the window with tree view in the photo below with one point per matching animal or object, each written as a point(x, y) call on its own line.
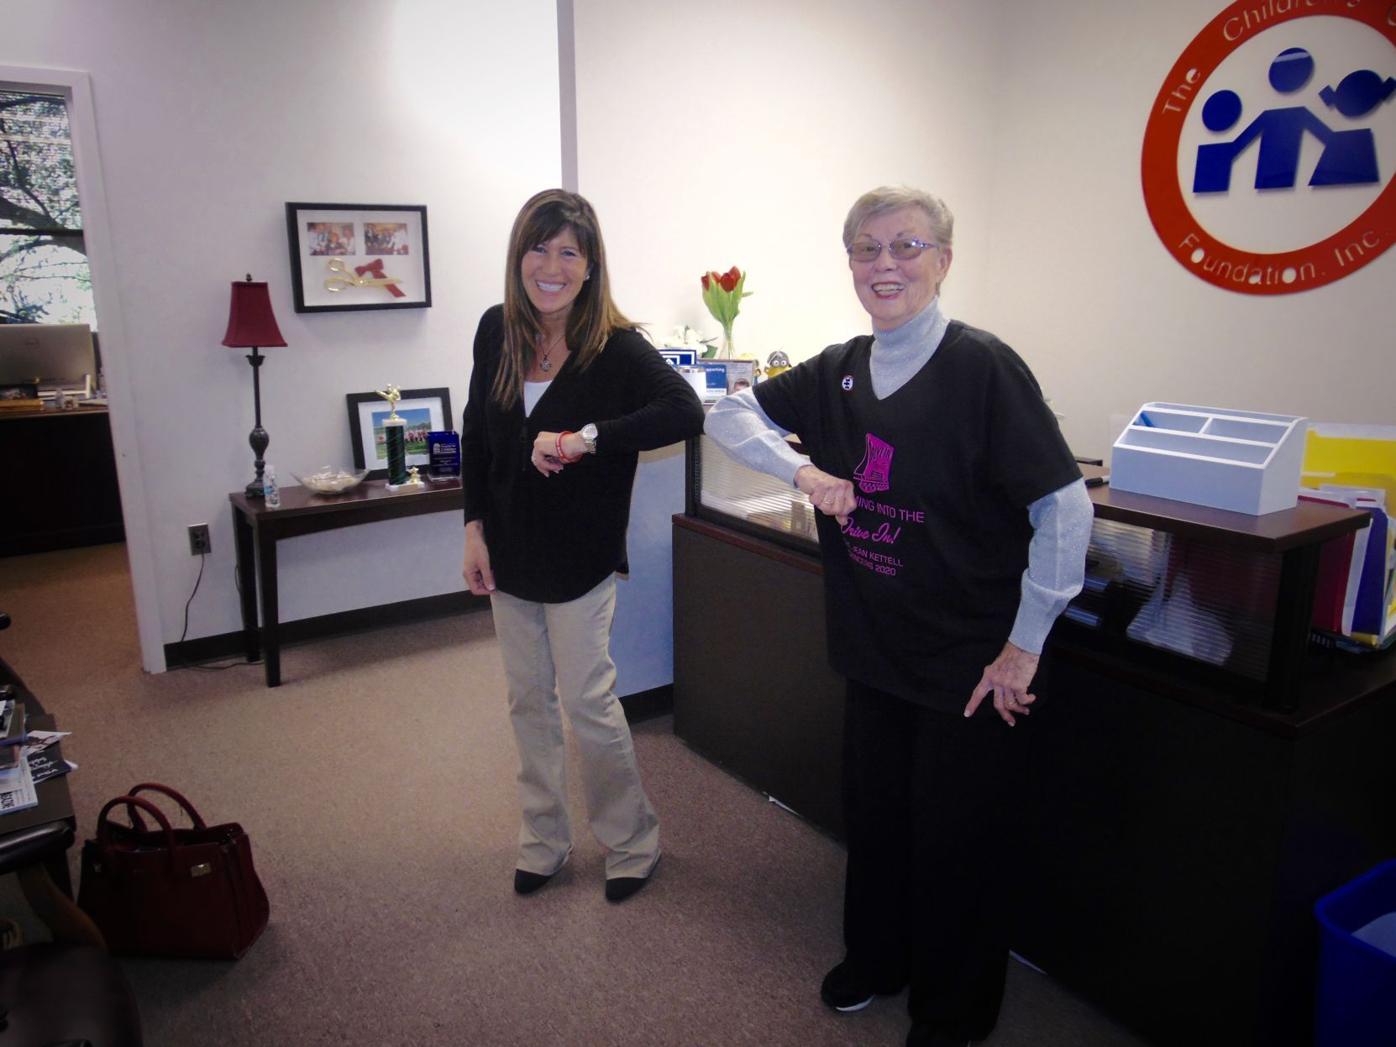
point(43, 261)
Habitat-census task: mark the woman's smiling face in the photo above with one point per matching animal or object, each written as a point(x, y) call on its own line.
point(893, 290)
point(553, 274)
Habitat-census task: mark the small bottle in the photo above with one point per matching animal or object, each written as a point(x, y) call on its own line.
point(269, 488)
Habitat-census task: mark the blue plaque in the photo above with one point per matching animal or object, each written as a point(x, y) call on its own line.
point(443, 454)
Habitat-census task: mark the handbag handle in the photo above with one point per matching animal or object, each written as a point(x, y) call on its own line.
point(131, 803)
point(177, 797)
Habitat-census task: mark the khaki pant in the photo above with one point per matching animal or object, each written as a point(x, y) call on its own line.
point(562, 650)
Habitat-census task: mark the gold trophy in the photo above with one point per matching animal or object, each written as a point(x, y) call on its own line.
point(394, 437)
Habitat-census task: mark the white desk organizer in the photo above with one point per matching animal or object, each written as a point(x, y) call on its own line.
point(1239, 460)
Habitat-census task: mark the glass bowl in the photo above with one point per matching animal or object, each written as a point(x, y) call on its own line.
point(329, 480)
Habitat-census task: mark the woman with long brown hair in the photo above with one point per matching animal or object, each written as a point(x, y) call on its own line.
point(564, 395)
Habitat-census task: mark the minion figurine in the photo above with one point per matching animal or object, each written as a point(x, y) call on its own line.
point(776, 363)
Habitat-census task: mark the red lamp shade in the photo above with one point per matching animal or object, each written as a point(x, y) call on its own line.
point(250, 319)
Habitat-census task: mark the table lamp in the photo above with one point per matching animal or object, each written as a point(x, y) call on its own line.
point(252, 325)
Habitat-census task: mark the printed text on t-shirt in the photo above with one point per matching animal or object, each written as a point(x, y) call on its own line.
point(895, 512)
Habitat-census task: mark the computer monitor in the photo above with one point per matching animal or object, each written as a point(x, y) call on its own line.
point(46, 354)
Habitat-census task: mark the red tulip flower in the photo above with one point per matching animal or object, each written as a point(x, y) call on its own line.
point(723, 294)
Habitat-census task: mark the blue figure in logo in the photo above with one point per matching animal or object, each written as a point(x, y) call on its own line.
point(1213, 171)
point(1351, 158)
point(1348, 158)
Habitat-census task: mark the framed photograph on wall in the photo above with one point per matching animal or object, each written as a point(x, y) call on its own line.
point(424, 410)
point(358, 256)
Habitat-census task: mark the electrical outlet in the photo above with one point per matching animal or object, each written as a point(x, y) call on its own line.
point(199, 542)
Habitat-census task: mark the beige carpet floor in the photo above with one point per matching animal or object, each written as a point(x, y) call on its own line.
point(377, 786)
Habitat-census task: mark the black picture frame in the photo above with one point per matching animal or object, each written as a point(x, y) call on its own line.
point(363, 433)
point(347, 257)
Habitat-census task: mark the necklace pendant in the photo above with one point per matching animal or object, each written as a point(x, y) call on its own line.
point(545, 364)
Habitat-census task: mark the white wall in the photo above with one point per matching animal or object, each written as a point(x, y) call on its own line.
point(732, 133)
point(1083, 285)
point(211, 117)
point(740, 133)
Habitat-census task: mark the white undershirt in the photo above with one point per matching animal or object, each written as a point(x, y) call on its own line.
point(533, 392)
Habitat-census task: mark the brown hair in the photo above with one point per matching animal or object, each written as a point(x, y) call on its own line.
point(594, 316)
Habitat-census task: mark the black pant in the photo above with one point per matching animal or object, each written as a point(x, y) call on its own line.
point(932, 803)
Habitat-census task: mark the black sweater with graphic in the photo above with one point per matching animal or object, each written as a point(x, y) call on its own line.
point(923, 585)
point(553, 539)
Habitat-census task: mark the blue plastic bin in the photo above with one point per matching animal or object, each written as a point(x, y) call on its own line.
point(1355, 1005)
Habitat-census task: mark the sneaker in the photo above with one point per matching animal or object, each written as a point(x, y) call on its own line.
point(845, 991)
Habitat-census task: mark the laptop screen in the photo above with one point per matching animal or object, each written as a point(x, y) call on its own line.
point(45, 354)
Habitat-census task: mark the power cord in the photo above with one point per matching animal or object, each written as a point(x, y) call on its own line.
point(207, 667)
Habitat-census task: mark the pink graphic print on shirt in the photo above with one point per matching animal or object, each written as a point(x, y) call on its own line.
point(874, 472)
point(870, 540)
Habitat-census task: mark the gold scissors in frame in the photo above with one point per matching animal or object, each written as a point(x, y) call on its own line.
point(347, 277)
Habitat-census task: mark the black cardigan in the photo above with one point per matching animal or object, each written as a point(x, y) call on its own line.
point(553, 539)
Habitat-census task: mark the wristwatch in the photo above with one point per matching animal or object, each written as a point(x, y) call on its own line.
point(588, 435)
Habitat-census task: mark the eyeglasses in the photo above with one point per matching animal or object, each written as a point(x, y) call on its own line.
point(902, 250)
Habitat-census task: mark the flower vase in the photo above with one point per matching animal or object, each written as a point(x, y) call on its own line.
point(726, 352)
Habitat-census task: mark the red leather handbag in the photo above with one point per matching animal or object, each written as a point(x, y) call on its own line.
point(171, 892)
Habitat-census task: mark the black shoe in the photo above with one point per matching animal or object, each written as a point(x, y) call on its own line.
point(526, 882)
point(923, 1035)
point(619, 888)
point(845, 990)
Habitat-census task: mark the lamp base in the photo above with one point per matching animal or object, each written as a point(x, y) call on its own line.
point(257, 439)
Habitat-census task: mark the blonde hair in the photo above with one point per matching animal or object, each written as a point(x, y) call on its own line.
point(894, 198)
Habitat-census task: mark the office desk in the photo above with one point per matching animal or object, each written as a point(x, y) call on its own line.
point(34, 842)
point(1182, 818)
point(258, 529)
point(62, 469)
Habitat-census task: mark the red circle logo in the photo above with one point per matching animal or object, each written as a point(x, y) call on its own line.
point(1251, 269)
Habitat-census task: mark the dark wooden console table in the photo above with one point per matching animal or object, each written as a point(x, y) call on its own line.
point(258, 529)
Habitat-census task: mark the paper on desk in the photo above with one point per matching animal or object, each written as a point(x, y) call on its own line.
point(45, 765)
point(18, 796)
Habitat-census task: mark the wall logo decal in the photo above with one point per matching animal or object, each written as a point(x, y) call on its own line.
point(1269, 161)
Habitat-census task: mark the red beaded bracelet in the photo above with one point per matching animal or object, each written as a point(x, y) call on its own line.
point(558, 448)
